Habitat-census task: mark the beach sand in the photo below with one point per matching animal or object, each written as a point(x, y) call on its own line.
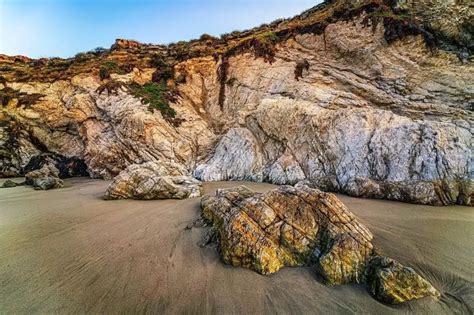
point(69, 251)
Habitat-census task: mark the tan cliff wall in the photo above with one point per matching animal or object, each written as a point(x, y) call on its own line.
point(365, 118)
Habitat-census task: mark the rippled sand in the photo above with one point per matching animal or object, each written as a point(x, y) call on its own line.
point(68, 251)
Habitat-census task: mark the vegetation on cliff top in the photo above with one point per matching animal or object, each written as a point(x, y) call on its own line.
point(124, 55)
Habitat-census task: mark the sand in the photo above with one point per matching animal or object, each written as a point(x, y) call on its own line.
point(68, 251)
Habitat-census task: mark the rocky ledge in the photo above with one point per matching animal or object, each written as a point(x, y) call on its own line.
point(153, 180)
point(301, 226)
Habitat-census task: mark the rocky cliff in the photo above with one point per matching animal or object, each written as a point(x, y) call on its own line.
point(368, 98)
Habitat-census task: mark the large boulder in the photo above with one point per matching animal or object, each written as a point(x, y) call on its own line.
point(288, 227)
point(153, 180)
point(296, 226)
point(44, 178)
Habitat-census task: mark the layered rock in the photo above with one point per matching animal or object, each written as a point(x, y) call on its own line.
point(303, 226)
point(288, 227)
point(358, 127)
point(353, 98)
point(153, 180)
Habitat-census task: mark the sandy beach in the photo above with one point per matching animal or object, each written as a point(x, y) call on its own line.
point(69, 251)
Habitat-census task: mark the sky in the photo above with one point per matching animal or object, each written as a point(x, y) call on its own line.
point(62, 28)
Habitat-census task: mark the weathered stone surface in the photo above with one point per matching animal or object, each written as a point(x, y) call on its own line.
point(154, 180)
point(366, 153)
point(295, 226)
point(393, 283)
point(344, 260)
point(286, 227)
point(45, 178)
point(237, 157)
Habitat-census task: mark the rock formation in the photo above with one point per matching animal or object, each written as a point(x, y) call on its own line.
point(368, 98)
point(393, 283)
point(303, 226)
point(45, 178)
point(153, 180)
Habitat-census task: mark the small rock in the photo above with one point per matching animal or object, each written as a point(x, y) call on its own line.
point(391, 282)
point(46, 183)
point(9, 184)
point(47, 177)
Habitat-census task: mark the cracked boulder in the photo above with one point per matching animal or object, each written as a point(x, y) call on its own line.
point(287, 227)
point(153, 180)
point(301, 226)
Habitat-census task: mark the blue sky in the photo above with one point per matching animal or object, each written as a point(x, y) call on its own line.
point(46, 28)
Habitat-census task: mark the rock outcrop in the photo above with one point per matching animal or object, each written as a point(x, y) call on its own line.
point(357, 97)
point(300, 226)
point(45, 178)
point(153, 180)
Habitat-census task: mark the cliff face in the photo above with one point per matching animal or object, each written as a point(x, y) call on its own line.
point(356, 98)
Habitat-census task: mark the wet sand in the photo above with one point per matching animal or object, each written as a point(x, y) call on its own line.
point(68, 251)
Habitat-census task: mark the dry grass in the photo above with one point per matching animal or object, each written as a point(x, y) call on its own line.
point(261, 41)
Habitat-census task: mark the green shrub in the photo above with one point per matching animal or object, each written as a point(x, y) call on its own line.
point(157, 61)
point(104, 73)
point(156, 96)
point(83, 56)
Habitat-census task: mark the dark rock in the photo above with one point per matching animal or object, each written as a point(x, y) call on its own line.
point(10, 184)
point(67, 166)
point(46, 183)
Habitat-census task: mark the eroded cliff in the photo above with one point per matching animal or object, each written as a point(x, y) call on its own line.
point(367, 98)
